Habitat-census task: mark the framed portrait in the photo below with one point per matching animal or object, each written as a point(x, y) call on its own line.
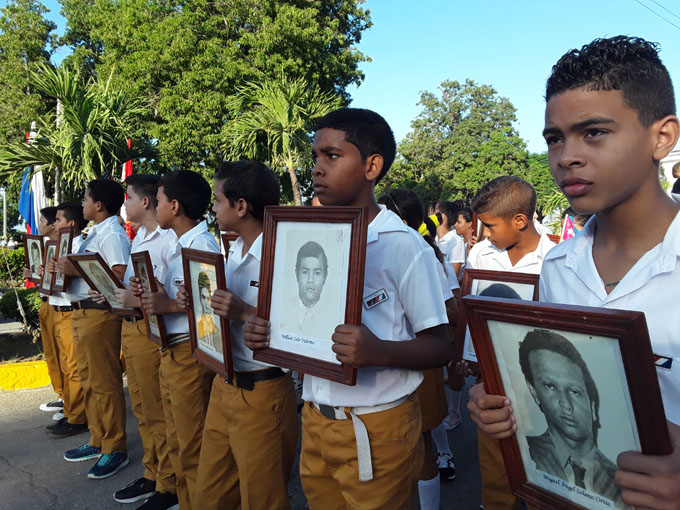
point(33, 247)
point(210, 335)
point(477, 226)
point(143, 268)
point(478, 282)
point(66, 235)
point(312, 277)
point(227, 239)
point(47, 282)
point(583, 386)
point(99, 277)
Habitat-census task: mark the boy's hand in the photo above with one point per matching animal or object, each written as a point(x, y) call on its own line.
point(51, 266)
point(492, 413)
point(96, 296)
point(182, 299)
point(651, 481)
point(256, 332)
point(228, 305)
point(27, 273)
point(41, 270)
point(136, 286)
point(127, 298)
point(65, 266)
point(356, 346)
point(159, 303)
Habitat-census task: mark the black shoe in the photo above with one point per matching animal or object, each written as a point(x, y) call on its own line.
point(160, 501)
point(67, 429)
point(138, 490)
point(56, 425)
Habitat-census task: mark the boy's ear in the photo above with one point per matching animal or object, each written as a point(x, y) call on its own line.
point(241, 207)
point(520, 221)
point(175, 207)
point(374, 165)
point(666, 132)
point(146, 203)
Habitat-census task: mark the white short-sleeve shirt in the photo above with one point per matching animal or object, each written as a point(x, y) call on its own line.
point(108, 239)
point(198, 238)
point(569, 276)
point(158, 243)
point(453, 247)
point(400, 263)
point(491, 258)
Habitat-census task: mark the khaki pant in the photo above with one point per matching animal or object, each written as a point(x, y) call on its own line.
point(74, 397)
point(496, 492)
point(248, 448)
point(143, 361)
point(328, 461)
point(50, 347)
point(96, 336)
point(185, 386)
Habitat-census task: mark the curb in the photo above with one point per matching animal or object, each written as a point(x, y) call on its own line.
point(23, 375)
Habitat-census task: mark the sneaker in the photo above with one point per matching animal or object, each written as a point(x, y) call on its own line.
point(57, 405)
point(50, 428)
point(57, 416)
point(160, 501)
point(452, 420)
point(140, 489)
point(66, 429)
point(84, 452)
point(447, 469)
point(108, 465)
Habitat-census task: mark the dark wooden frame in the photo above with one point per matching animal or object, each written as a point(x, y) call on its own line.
point(630, 328)
point(96, 257)
point(225, 369)
point(143, 257)
point(554, 238)
point(33, 237)
point(358, 220)
point(62, 232)
point(226, 238)
point(49, 276)
point(469, 276)
point(477, 226)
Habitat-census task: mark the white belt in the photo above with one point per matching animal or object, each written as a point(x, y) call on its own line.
point(360, 431)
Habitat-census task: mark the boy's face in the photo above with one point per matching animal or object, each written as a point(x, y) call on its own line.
point(599, 153)
point(224, 212)
point(164, 209)
point(45, 228)
point(62, 222)
point(502, 232)
point(339, 173)
point(462, 226)
point(89, 206)
point(134, 207)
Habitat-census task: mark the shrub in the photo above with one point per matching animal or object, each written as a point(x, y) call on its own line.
point(30, 301)
point(17, 262)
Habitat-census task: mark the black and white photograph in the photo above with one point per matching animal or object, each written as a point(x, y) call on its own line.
point(99, 277)
point(142, 262)
point(309, 290)
point(572, 407)
point(33, 246)
point(65, 238)
point(47, 280)
point(207, 324)
point(102, 281)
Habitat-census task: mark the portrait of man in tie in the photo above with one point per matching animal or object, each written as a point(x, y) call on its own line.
point(561, 384)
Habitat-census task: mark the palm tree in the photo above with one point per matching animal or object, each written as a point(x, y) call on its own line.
point(86, 138)
point(272, 121)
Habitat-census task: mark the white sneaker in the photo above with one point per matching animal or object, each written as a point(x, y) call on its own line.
point(57, 416)
point(57, 405)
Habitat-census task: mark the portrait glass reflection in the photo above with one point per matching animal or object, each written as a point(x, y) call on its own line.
point(50, 253)
point(573, 409)
point(208, 332)
point(34, 257)
point(63, 251)
point(154, 328)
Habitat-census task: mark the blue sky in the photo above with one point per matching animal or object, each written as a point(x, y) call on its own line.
point(510, 44)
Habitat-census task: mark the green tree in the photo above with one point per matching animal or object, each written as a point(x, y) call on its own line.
point(185, 59)
point(25, 42)
point(539, 176)
point(462, 139)
point(271, 121)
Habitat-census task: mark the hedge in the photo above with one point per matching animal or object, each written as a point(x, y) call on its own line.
point(30, 300)
point(17, 263)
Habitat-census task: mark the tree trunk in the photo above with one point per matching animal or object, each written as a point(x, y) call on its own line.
point(297, 198)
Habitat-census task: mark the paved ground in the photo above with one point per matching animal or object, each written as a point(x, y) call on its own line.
point(34, 476)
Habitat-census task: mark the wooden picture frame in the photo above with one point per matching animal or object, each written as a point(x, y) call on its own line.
point(554, 238)
point(143, 269)
point(477, 226)
point(204, 271)
point(569, 370)
point(99, 276)
point(227, 238)
point(463, 349)
point(299, 341)
point(47, 282)
point(33, 251)
point(64, 245)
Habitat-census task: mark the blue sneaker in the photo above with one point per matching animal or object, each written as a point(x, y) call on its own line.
point(108, 465)
point(84, 452)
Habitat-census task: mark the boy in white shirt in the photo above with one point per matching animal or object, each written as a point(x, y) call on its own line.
point(399, 337)
point(610, 119)
point(183, 198)
point(448, 240)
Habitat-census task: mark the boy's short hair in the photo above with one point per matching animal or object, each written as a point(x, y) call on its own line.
point(366, 130)
point(466, 213)
point(73, 211)
point(145, 186)
point(190, 189)
point(108, 192)
point(252, 181)
point(50, 214)
point(628, 64)
point(504, 197)
point(314, 250)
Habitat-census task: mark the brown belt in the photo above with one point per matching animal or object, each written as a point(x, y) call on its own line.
point(88, 304)
point(247, 380)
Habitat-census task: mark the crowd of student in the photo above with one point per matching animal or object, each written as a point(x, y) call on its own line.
point(211, 443)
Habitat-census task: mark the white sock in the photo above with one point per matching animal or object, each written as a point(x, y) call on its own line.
point(453, 399)
point(428, 491)
point(440, 439)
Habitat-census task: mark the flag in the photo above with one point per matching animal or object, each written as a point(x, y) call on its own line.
point(568, 229)
point(26, 209)
point(127, 172)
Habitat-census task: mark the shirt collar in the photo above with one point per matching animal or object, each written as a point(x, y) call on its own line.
point(107, 223)
point(188, 237)
point(385, 221)
point(255, 249)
